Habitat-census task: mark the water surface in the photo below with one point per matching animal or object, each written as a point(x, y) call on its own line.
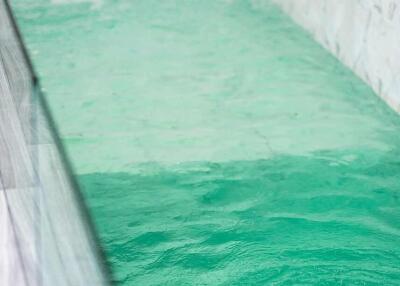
point(217, 144)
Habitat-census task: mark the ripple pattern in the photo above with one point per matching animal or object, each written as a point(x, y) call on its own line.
point(284, 221)
point(218, 144)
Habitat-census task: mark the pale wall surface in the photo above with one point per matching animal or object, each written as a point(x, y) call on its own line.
point(363, 34)
point(45, 237)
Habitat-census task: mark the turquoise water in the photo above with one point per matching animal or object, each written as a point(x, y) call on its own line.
point(217, 144)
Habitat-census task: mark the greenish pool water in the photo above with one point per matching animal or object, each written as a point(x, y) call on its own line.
point(217, 144)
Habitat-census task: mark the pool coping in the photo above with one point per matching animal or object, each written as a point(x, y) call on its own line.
point(48, 237)
point(363, 35)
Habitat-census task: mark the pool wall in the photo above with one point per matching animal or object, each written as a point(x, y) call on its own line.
point(46, 236)
point(364, 35)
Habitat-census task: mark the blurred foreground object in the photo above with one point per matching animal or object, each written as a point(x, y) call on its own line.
point(46, 237)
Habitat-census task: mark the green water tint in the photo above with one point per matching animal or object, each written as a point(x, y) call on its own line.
point(218, 144)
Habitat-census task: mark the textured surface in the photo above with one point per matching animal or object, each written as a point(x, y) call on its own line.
point(218, 144)
point(364, 34)
point(44, 236)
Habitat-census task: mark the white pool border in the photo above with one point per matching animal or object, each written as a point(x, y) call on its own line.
point(46, 235)
point(363, 34)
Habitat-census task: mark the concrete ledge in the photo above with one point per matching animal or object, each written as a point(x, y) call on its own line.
point(46, 238)
point(363, 34)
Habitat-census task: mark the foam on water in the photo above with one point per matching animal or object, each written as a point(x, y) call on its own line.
point(218, 144)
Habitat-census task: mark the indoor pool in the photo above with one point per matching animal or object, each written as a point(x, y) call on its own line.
point(216, 143)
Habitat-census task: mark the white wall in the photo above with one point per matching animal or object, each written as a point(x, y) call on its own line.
point(363, 34)
point(45, 237)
